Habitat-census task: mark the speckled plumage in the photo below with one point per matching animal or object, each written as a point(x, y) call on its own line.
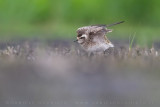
point(93, 38)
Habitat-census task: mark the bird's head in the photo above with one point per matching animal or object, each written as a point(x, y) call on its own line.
point(81, 38)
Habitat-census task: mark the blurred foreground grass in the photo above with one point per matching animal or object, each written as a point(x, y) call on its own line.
point(59, 74)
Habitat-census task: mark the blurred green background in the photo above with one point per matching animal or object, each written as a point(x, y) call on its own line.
point(60, 18)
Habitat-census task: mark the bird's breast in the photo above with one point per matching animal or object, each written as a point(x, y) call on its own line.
point(99, 47)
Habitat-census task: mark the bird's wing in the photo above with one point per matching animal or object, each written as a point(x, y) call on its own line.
point(93, 30)
point(98, 31)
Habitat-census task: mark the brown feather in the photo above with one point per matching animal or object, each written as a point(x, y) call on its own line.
point(93, 30)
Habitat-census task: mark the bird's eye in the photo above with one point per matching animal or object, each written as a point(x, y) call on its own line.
point(79, 35)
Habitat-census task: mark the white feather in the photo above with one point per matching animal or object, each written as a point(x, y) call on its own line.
point(100, 47)
point(84, 35)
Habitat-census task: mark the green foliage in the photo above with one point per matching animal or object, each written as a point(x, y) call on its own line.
point(131, 40)
point(20, 17)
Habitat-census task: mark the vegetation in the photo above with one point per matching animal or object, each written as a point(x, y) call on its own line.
point(61, 75)
point(59, 18)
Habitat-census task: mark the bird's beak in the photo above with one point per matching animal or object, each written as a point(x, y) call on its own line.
point(76, 40)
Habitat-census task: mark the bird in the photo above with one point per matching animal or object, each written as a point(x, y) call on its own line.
point(93, 38)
